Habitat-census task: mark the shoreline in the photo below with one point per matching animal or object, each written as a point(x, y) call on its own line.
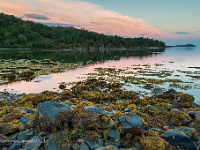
point(80, 49)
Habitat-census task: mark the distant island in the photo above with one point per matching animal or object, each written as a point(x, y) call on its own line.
point(186, 45)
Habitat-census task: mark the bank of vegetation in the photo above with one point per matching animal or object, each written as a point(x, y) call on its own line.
point(17, 33)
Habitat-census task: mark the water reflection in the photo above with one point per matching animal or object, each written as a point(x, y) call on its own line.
point(76, 56)
point(173, 59)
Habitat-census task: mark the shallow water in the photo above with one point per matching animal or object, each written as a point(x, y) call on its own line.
point(173, 59)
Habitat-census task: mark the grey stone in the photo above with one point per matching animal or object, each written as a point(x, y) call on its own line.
point(177, 138)
point(94, 110)
point(34, 143)
point(132, 123)
point(15, 146)
point(84, 146)
point(93, 145)
point(25, 135)
point(50, 109)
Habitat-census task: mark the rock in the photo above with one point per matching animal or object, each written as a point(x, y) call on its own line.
point(75, 146)
point(179, 118)
point(25, 135)
point(93, 145)
point(191, 132)
point(183, 100)
point(80, 141)
point(154, 143)
point(51, 144)
point(194, 114)
point(114, 138)
point(15, 146)
point(7, 129)
point(62, 85)
point(132, 123)
point(177, 138)
point(34, 143)
point(3, 140)
point(84, 146)
point(53, 114)
point(50, 109)
point(170, 92)
point(157, 90)
point(25, 121)
point(94, 110)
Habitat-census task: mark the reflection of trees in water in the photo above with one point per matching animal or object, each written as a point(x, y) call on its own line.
point(78, 56)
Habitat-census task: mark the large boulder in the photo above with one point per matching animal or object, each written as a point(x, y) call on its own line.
point(51, 109)
point(178, 138)
point(132, 123)
point(52, 114)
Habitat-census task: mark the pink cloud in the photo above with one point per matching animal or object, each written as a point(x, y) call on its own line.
point(87, 15)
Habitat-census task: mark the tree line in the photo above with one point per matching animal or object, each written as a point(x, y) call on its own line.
point(17, 33)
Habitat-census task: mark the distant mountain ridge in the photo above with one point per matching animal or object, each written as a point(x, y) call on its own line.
point(17, 33)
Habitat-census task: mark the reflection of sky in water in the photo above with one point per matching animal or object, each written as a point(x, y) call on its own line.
point(173, 59)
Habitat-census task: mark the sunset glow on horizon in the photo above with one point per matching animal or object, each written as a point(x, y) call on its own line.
point(96, 17)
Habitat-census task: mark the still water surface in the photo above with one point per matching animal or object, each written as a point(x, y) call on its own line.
point(173, 59)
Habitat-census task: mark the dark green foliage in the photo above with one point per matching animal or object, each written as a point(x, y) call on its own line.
point(16, 33)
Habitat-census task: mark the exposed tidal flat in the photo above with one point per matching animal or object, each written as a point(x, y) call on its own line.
point(128, 102)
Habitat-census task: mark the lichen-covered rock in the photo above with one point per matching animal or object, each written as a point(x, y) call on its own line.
point(154, 143)
point(178, 138)
point(53, 115)
point(183, 100)
point(11, 127)
point(179, 118)
point(51, 109)
point(132, 123)
point(191, 132)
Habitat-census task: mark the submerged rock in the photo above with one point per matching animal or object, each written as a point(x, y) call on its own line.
point(177, 138)
point(170, 92)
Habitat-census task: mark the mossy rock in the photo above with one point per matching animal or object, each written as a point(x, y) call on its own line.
point(154, 143)
point(179, 118)
point(56, 119)
point(183, 100)
point(32, 100)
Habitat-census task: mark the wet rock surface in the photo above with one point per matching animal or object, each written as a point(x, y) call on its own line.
point(97, 115)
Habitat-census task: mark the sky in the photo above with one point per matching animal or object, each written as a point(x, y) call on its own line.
point(172, 21)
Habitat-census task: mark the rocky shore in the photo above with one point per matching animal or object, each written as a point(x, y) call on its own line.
point(99, 115)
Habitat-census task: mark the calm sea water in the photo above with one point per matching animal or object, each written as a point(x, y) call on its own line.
point(173, 59)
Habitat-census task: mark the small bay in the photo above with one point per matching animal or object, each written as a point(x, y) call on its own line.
point(182, 63)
